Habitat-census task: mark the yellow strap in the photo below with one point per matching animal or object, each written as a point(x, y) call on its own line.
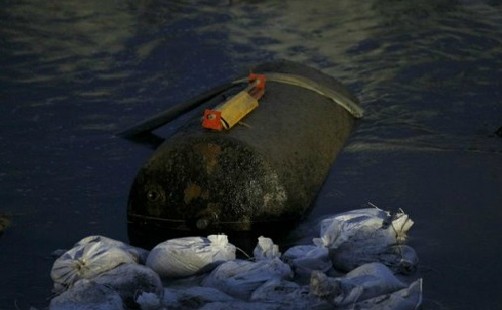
point(233, 110)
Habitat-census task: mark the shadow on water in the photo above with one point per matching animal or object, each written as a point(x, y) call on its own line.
point(427, 73)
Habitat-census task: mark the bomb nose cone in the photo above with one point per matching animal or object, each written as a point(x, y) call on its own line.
point(207, 181)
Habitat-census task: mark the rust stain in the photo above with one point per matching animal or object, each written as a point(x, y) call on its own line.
point(210, 153)
point(192, 191)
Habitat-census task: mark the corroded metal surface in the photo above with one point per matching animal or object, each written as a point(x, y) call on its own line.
point(266, 171)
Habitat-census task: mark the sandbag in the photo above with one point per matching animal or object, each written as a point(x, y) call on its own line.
point(370, 280)
point(367, 281)
point(360, 236)
point(87, 295)
point(266, 249)
point(183, 257)
point(303, 259)
point(286, 295)
point(139, 255)
point(130, 280)
point(354, 225)
point(409, 298)
point(87, 260)
point(239, 278)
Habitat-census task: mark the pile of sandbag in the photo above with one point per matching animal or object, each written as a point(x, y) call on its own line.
point(351, 265)
point(98, 264)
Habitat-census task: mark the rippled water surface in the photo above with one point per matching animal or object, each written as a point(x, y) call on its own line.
point(428, 74)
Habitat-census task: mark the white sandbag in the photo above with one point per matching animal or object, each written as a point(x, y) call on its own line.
point(266, 249)
point(193, 297)
point(338, 229)
point(303, 259)
point(399, 258)
point(87, 295)
point(139, 255)
point(409, 298)
point(130, 280)
point(359, 236)
point(85, 261)
point(375, 279)
point(239, 278)
point(364, 282)
point(286, 295)
point(183, 257)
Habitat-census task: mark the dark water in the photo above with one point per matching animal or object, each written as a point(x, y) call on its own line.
point(428, 74)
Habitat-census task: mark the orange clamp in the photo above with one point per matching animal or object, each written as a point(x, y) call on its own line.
point(212, 120)
point(259, 81)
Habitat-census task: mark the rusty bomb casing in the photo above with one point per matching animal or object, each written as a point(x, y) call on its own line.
point(261, 175)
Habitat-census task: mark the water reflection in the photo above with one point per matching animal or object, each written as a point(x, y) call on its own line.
point(74, 72)
point(88, 50)
point(60, 39)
